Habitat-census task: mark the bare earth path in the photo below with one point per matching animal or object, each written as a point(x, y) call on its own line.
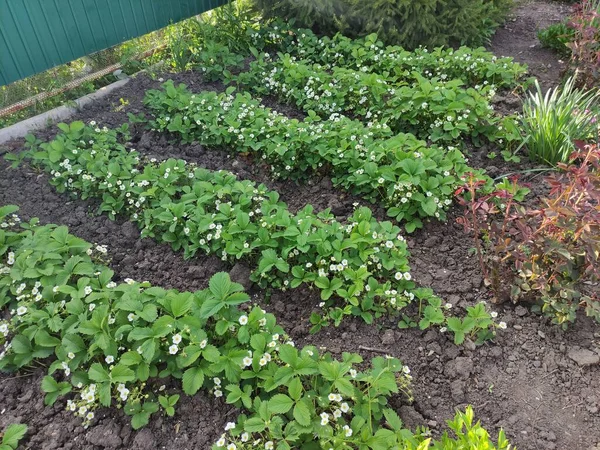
point(518, 38)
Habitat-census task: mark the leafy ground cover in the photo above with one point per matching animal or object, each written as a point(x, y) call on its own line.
point(211, 212)
point(533, 356)
point(174, 272)
point(110, 339)
point(384, 171)
point(441, 95)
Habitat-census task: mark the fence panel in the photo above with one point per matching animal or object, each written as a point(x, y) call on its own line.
point(36, 35)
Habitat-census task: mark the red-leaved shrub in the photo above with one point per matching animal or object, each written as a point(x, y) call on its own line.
point(585, 42)
point(548, 254)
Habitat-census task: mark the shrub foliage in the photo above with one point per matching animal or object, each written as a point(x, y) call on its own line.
point(548, 254)
point(403, 22)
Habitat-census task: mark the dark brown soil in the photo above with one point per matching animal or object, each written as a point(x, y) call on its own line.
point(518, 38)
point(527, 381)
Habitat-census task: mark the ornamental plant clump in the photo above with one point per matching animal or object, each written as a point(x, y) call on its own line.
point(412, 180)
point(585, 42)
point(553, 122)
point(550, 254)
point(118, 344)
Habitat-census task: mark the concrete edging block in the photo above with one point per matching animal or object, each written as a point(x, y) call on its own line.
point(58, 114)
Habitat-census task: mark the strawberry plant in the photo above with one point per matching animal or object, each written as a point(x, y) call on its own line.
point(12, 435)
point(115, 344)
point(363, 262)
point(412, 180)
point(432, 108)
point(471, 65)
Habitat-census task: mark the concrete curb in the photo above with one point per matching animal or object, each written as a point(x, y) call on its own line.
point(55, 115)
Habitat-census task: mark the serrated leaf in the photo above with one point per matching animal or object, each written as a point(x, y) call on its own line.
point(188, 356)
point(220, 285)
point(211, 353)
point(149, 313)
point(98, 373)
point(43, 339)
point(49, 384)
point(254, 425)
point(140, 420)
point(288, 354)
point(193, 378)
point(393, 419)
point(280, 404)
point(237, 298)
point(210, 307)
point(258, 342)
point(295, 388)
point(148, 349)
point(130, 358)
point(302, 414)
point(121, 374)
point(13, 434)
point(181, 304)
point(21, 345)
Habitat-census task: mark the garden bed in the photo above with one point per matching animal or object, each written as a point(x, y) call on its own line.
point(533, 380)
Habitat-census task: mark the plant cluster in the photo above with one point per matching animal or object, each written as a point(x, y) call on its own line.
point(474, 66)
point(578, 37)
point(549, 254)
point(412, 180)
point(363, 261)
point(557, 37)
point(436, 109)
point(193, 46)
point(212, 42)
point(411, 24)
point(554, 121)
point(119, 344)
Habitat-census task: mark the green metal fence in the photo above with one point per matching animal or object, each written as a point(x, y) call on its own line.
point(36, 35)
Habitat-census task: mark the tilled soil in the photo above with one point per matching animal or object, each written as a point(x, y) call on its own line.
point(536, 381)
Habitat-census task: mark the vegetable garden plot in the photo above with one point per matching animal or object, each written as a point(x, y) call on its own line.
point(439, 367)
point(110, 339)
point(406, 176)
point(424, 367)
point(198, 210)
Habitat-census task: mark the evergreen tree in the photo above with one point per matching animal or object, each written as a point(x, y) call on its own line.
point(409, 23)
